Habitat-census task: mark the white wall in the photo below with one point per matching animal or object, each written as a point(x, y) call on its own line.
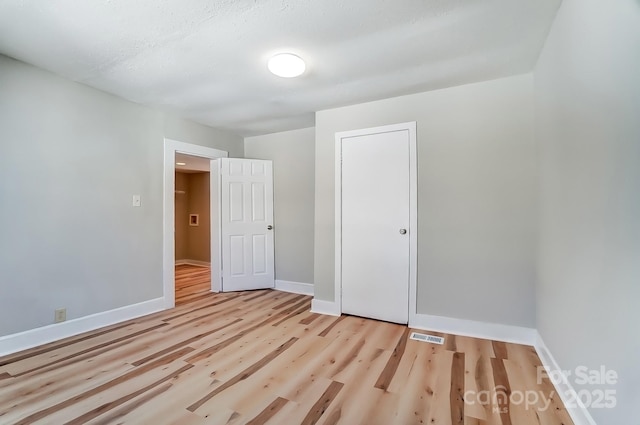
point(71, 158)
point(587, 87)
point(476, 197)
point(293, 155)
point(183, 130)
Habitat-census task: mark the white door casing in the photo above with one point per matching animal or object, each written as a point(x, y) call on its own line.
point(376, 222)
point(216, 241)
point(246, 189)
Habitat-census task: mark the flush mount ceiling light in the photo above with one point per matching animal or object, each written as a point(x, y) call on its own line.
point(286, 65)
point(181, 163)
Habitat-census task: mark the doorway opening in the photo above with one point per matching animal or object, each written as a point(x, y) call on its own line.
point(191, 230)
point(193, 212)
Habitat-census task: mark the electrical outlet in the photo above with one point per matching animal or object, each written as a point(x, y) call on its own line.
point(136, 201)
point(60, 315)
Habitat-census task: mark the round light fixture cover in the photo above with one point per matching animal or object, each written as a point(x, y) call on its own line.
point(286, 65)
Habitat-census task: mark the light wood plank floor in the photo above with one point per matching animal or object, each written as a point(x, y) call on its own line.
point(261, 357)
point(192, 282)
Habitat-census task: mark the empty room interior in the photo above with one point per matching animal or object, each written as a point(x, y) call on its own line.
point(320, 212)
point(192, 218)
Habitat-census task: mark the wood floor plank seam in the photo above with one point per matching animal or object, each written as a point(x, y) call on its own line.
point(200, 319)
point(291, 300)
point(183, 343)
point(22, 355)
point(328, 329)
point(191, 285)
point(502, 389)
point(75, 360)
point(302, 309)
point(450, 343)
point(260, 293)
point(244, 374)
point(225, 300)
point(269, 411)
point(91, 349)
point(304, 302)
point(123, 378)
point(392, 365)
point(323, 403)
point(80, 420)
point(223, 344)
point(500, 349)
point(309, 319)
point(350, 357)
point(482, 380)
point(456, 394)
point(117, 412)
point(198, 297)
point(208, 352)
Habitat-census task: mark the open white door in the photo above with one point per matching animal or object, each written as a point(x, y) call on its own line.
point(247, 224)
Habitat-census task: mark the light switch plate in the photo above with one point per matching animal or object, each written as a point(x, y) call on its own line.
point(136, 200)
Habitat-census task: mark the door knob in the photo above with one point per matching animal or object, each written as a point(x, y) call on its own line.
point(269, 227)
point(403, 231)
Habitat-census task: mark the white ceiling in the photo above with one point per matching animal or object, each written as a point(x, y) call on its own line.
point(193, 163)
point(206, 59)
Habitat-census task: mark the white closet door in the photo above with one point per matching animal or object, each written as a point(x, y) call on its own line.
point(247, 224)
point(376, 225)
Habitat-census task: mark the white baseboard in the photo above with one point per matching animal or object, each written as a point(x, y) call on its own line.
point(295, 287)
point(472, 328)
point(197, 263)
point(579, 414)
point(325, 307)
point(32, 338)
